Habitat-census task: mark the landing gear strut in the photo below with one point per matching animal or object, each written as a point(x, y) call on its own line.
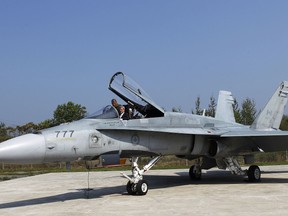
point(253, 173)
point(136, 185)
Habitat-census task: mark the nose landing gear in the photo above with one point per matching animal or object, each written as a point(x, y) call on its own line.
point(136, 185)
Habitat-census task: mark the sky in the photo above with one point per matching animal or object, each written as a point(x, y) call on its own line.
point(52, 52)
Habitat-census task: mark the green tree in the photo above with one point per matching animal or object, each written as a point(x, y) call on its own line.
point(27, 128)
point(248, 112)
point(3, 132)
point(46, 124)
point(198, 110)
point(236, 110)
point(176, 109)
point(69, 112)
point(211, 111)
point(2, 129)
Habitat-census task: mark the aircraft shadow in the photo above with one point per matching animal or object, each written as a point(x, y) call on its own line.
point(76, 195)
point(155, 182)
point(216, 177)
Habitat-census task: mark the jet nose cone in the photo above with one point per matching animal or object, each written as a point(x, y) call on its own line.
point(29, 148)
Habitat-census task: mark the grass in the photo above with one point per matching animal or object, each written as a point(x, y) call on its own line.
point(170, 162)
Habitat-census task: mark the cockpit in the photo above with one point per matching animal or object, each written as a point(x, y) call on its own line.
point(133, 95)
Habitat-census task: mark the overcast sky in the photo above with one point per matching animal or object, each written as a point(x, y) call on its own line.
point(52, 52)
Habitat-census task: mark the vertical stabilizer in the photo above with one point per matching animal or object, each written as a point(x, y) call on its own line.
point(224, 110)
point(271, 116)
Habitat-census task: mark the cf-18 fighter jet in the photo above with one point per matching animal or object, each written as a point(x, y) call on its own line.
point(155, 133)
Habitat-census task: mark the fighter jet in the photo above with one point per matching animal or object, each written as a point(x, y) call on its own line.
point(153, 132)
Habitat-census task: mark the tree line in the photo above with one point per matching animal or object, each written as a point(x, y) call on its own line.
point(64, 113)
point(245, 113)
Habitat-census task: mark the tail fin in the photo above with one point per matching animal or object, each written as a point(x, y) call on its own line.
point(224, 110)
point(271, 116)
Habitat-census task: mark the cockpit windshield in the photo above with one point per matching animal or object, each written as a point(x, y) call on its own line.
point(129, 91)
point(108, 112)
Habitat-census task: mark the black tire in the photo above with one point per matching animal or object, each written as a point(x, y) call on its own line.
point(142, 187)
point(254, 174)
point(131, 188)
point(195, 173)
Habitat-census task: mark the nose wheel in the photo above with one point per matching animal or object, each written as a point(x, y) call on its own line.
point(140, 188)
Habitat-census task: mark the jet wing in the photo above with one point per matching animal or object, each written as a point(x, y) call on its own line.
point(266, 141)
point(129, 91)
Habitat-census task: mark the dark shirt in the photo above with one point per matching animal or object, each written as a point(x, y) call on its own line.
point(125, 116)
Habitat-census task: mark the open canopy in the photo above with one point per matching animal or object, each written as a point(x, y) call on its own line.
point(129, 91)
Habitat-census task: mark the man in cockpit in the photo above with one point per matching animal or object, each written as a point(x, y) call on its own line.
point(123, 115)
point(116, 105)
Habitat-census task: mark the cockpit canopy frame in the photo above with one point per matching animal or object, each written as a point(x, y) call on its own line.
point(131, 92)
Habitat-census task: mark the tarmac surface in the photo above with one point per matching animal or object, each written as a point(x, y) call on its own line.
point(170, 193)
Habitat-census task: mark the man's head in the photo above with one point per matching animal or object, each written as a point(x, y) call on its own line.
point(114, 103)
point(122, 109)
